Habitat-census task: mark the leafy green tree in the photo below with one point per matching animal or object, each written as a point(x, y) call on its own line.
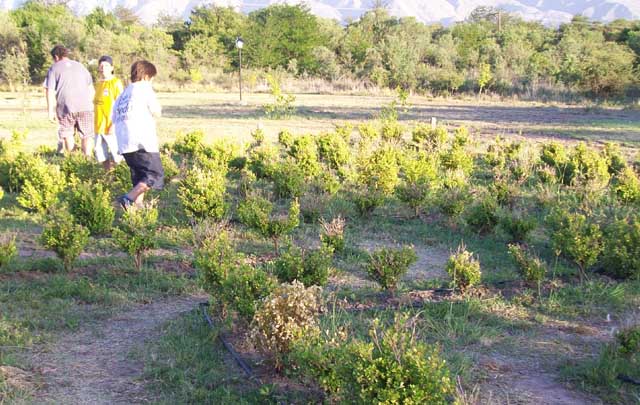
point(278, 34)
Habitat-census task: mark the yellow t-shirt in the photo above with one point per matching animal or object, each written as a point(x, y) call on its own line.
point(106, 93)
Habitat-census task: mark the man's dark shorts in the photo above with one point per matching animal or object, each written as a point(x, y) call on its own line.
point(146, 168)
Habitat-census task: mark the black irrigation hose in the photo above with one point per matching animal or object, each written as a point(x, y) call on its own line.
point(245, 367)
point(627, 379)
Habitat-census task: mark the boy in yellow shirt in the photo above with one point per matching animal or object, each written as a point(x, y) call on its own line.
point(108, 88)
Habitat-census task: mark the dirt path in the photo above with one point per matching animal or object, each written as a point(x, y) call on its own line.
point(94, 366)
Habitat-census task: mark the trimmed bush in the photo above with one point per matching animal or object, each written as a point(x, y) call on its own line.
point(386, 266)
point(392, 131)
point(517, 225)
point(91, 206)
point(332, 233)
point(136, 232)
point(379, 171)
point(39, 183)
point(419, 177)
point(626, 186)
point(8, 249)
point(82, 167)
point(214, 255)
point(393, 367)
point(621, 253)
point(288, 314)
point(62, 235)
point(288, 179)
point(304, 150)
point(531, 267)
point(333, 149)
point(481, 216)
point(244, 288)
point(576, 237)
point(310, 267)
point(464, 269)
point(255, 212)
point(430, 139)
point(202, 193)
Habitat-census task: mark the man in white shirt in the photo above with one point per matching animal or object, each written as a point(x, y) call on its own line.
point(134, 114)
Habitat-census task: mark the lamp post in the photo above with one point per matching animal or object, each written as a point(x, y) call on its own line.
point(239, 45)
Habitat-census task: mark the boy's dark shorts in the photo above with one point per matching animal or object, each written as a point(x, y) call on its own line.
point(146, 168)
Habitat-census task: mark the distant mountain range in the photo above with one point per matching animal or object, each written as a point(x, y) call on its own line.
point(550, 12)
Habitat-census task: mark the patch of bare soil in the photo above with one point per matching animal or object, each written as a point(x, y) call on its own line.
point(93, 365)
point(518, 381)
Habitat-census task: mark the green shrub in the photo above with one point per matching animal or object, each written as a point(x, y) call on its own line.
point(517, 225)
point(136, 232)
point(258, 136)
point(333, 149)
point(121, 179)
point(344, 130)
point(457, 158)
point(332, 233)
point(394, 367)
point(91, 206)
point(1, 193)
point(423, 136)
point(310, 267)
point(84, 168)
point(392, 131)
point(288, 314)
point(615, 161)
point(305, 151)
point(576, 238)
point(285, 138)
point(626, 186)
point(244, 288)
point(379, 171)
point(368, 132)
point(629, 341)
point(419, 177)
point(366, 200)
point(214, 255)
point(588, 167)
point(464, 269)
point(8, 249)
point(282, 106)
point(169, 166)
point(202, 193)
point(621, 252)
point(289, 179)
point(531, 267)
point(39, 183)
point(189, 145)
point(481, 215)
point(62, 235)
point(452, 201)
point(262, 160)
point(387, 265)
point(256, 213)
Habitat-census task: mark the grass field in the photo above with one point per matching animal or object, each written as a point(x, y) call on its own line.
point(106, 333)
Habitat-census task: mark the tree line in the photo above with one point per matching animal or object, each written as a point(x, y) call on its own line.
point(491, 51)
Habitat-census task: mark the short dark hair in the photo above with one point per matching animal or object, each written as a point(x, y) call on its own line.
point(59, 51)
point(141, 69)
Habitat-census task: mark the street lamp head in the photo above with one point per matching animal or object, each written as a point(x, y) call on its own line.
point(239, 43)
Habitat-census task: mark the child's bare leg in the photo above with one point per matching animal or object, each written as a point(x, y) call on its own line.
point(69, 143)
point(87, 146)
point(108, 165)
point(137, 193)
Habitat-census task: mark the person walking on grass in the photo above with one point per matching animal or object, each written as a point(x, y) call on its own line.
point(108, 88)
point(134, 114)
point(69, 92)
